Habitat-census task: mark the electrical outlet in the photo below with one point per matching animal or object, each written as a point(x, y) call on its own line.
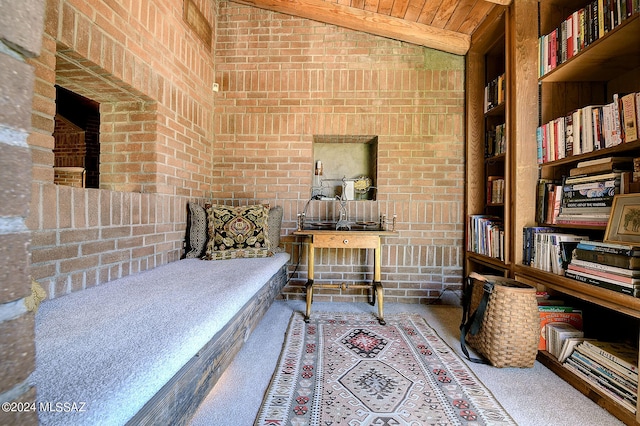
point(216, 87)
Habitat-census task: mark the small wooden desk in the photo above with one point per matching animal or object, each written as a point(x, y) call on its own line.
point(346, 239)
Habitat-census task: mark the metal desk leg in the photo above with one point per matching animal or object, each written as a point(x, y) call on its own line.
point(309, 285)
point(379, 291)
point(309, 290)
point(377, 285)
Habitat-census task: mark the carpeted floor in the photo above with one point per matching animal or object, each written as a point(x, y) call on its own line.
point(533, 396)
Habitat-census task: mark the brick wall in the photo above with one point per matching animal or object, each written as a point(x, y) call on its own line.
point(20, 29)
point(284, 79)
point(151, 75)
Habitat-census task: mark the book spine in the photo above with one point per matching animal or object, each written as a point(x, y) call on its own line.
point(603, 205)
point(610, 259)
point(605, 249)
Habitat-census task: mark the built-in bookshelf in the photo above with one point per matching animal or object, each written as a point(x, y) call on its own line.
point(588, 61)
point(501, 122)
point(488, 189)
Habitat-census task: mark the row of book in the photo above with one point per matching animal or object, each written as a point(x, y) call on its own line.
point(486, 236)
point(494, 93)
point(496, 141)
point(590, 128)
point(548, 249)
point(495, 190)
point(580, 29)
point(611, 367)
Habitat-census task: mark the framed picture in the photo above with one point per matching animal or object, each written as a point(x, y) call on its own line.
point(624, 221)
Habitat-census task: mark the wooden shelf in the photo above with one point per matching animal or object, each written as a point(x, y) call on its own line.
point(614, 150)
point(490, 262)
point(608, 57)
point(496, 111)
point(590, 293)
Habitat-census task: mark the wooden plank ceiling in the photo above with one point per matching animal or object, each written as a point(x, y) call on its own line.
point(445, 25)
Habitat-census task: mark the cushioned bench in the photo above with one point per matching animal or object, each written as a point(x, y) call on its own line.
point(147, 348)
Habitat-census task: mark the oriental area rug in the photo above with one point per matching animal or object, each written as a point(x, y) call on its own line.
point(347, 369)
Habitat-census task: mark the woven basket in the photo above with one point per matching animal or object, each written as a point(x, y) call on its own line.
point(510, 330)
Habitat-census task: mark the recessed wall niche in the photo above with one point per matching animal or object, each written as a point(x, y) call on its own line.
point(77, 140)
point(353, 158)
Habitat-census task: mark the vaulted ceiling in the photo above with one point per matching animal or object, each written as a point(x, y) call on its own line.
point(445, 25)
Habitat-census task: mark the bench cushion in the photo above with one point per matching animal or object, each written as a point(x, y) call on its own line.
point(115, 345)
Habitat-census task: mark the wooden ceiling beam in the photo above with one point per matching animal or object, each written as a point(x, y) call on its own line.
point(369, 22)
point(500, 2)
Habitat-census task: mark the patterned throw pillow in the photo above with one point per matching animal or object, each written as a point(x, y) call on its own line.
point(238, 232)
point(196, 231)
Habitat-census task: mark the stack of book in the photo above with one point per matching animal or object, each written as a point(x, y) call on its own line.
point(556, 318)
point(587, 199)
point(609, 265)
point(611, 367)
point(486, 236)
point(557, 334)
point(591, 184)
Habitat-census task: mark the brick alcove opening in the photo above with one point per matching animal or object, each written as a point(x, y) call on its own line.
point(77, 140)
point(119, 125)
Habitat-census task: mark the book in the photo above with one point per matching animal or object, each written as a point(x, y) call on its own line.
point(611, 259)
point(629, 119)
point(603, 160)
point(615, 248)
point(574, 318)
point(594, 219)
point(607, 164)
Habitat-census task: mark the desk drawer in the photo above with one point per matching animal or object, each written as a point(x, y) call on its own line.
point(346, 241)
